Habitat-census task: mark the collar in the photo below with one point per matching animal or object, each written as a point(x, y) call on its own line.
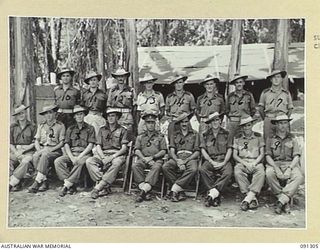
point(220, 131)
point(144, 93)
point(69, 87)
point(273, 90)
point(117, 126)
point(54, 122)
point(126, 87)
point(16, 124)
point(189, 131)
point(175, 93)
point(248, 137)
point(154, 133)
point(287, 135)
point(214, 95)
point(84, 125)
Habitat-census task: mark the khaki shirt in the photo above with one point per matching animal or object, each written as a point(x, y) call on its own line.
point(249, 147)
point(50, 135)
point(153, 102)
point(80, 138)
point(96, 101)
point(19, 136)
point(207, 106)
point(125, 98)
point(282, 149)
point(176, 105)
point(216, 146)
point(150, 144)
point(274, 102)
point(239, 105)
point(112, 139)
point(189, 142)
point(66, 99)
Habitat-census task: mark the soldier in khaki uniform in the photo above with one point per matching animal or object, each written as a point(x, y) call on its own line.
point(216, 149)
point(248, 152)
point(149, 100)
point(21, 147)
point(79, 141)
point(95, 100)
point(283, 170)
point(178, 102)
point(184, 152)
point(66, 96)
point(210, 102)
point(49, 140)
point(123, 98)
point(274, 100)
point(150, 147)
point(240, 103)
point(111, 148)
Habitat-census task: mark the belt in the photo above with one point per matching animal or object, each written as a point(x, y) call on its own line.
point(122, 110)
point(234, 118)
point(184, 152)
point(66, 111)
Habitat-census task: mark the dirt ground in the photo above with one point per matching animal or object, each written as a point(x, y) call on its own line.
point(120, 209)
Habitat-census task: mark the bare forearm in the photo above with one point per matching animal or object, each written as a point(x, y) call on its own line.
point(68, 151)
point(86, 151)
point(58, 146)
point(270, 161)
point(159, 155)
point(205, 155)
point(228, 156)
point(294, 161)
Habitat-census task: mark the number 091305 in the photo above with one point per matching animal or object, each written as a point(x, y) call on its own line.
point(309, 246)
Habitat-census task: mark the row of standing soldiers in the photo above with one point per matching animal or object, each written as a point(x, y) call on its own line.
point(93, 129)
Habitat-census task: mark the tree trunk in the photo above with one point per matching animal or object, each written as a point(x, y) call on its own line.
point(235, 59)
point(100, 45)
point(163, 33)
point(53, 39)
point(24, 76)
point(131, 53)
point(281, 49)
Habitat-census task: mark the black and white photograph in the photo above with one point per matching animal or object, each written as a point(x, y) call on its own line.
point(194, 123)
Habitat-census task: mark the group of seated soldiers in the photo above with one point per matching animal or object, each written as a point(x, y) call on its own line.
point(92, 130)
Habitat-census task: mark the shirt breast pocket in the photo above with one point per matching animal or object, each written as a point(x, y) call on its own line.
point(288, 148)
point(222, 145)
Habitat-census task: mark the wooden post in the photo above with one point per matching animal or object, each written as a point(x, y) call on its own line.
point(281, 49)
point(131, 54)
point(100, 44)
point(24, 77)
point(235, 59)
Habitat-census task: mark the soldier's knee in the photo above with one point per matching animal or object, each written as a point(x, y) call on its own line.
point(117, 161)
point(270, 173)
point(228, 169)
point(238, 169)
point(90, 161)
point(166, 166)
point(260, 169)
point(26, 160)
